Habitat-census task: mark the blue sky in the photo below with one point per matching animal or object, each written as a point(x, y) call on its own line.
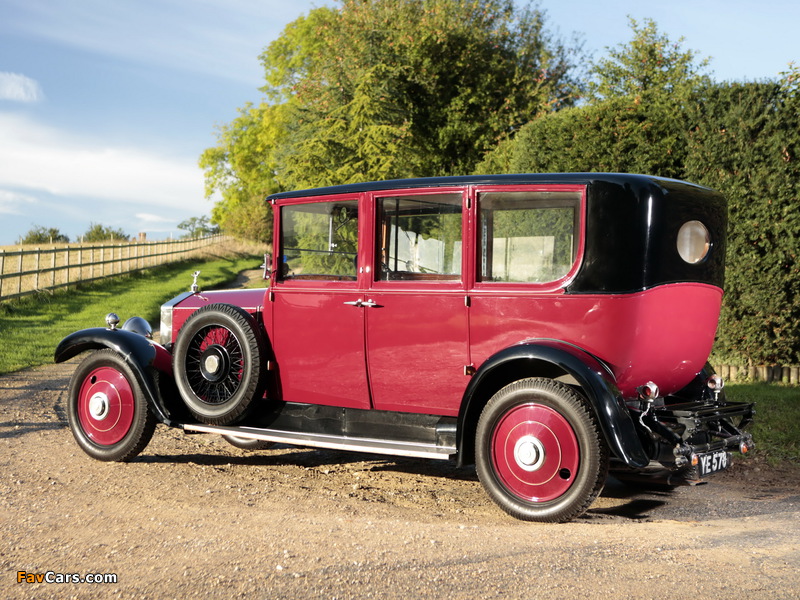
point(106, 105)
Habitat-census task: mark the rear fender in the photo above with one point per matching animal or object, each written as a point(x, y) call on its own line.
point(553, 359)
point(150, 362)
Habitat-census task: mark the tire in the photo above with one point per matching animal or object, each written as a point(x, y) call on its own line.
point(247, 443)
point(539, 452)
point(217, 364)
point(106, 409)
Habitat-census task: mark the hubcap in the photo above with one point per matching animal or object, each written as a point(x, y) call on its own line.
point(529, 453)
point(535, 452)
point(106, 406)
point(98, 406)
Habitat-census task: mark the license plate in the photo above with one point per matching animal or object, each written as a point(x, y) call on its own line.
point(712, 462)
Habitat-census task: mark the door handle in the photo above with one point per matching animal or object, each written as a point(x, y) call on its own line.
point(358, 302)
point(369, 304)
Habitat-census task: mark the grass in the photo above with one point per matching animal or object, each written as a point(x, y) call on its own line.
point(776, 427)
point(31, 328)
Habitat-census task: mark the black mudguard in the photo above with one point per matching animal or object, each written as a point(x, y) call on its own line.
point(149, 361)
point(551, 358)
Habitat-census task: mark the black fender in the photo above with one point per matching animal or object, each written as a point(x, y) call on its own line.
point(147, 359)
point(552, 358)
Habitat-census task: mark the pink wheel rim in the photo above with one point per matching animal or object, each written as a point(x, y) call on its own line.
point(106, 406)
point(535, 452)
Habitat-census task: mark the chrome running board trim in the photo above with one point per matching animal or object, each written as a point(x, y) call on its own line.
point(333, 442)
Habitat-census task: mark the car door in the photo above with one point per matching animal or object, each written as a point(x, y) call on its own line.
point(415, 309)
point(318, 323)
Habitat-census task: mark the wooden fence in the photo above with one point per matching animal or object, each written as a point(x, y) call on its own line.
point(29, 270)
point(764, 373)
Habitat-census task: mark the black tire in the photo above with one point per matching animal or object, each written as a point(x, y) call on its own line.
point(106, 409)
point(217, 363)
point(247, 443)
point(539, 452)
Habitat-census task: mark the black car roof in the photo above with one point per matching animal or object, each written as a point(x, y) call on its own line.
point(515, 179)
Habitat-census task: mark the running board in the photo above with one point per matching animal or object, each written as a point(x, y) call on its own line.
point(333, 442)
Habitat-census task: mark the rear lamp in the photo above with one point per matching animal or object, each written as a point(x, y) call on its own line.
point(694, 242)
point(648, 391)
point(715, 383)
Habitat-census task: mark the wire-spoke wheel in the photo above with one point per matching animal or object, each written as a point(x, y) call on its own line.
point(539, 451)
point(217, 363)
point(107, 412)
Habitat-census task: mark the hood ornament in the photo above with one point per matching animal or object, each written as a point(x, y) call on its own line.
point(195, 288)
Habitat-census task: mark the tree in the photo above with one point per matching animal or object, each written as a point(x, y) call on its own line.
point(44, 235)
point(198, 227)
point(378, 89)
point(101, 233)
point(650, 65)
point(636, 119)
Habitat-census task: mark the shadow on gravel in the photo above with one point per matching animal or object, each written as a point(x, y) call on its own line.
point(14, 429)
point(318, 459)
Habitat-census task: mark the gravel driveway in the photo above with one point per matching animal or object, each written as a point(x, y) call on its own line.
point(195, 517)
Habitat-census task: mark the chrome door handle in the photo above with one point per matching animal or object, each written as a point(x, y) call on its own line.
point(369, 304)
point(354, 302)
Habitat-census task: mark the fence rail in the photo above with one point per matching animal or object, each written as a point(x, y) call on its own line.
point(29, 270)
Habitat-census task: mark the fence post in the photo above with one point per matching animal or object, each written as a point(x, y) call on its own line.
point(2, 271)
point(38, 267)
point(19, 270)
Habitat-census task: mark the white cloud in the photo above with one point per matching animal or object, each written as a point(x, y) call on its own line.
point(218, 37)
point(35, 157)
point(19, 88)
point(13, 203)
point(148, 218)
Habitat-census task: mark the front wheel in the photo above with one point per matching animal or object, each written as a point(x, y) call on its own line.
point(539, 451)
point(106, 409)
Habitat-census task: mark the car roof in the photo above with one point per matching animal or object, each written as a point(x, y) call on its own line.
point(511, 179)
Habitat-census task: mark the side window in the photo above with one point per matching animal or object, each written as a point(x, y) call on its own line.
point(419, 237)
point(320, 241)
point(528, 237)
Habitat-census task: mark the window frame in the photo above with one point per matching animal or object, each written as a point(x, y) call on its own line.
point(441, 282)
point(477, 242)
point(321, 281)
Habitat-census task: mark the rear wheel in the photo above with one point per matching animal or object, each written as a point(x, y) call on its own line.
point(107, 412)
point(217, 363)
point(539, 451)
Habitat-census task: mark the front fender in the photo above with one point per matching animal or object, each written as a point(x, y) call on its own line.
point(147, 359)
point(552, 358)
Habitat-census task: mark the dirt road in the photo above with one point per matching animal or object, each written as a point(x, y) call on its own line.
point(194, 517)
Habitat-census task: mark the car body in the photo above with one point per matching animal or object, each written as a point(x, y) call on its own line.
point(544, 327)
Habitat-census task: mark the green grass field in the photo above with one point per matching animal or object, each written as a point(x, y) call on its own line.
point(31, 328)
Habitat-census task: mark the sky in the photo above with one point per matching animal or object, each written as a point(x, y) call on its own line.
point(106, 105)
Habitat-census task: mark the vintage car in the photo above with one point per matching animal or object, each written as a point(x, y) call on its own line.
point(544, 327)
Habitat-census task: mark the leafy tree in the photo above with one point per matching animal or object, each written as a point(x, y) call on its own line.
point(101, 233)
point(649, 66)
point(636, 119)
point(198, 227)
point(44, 235)
point(377, 89)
